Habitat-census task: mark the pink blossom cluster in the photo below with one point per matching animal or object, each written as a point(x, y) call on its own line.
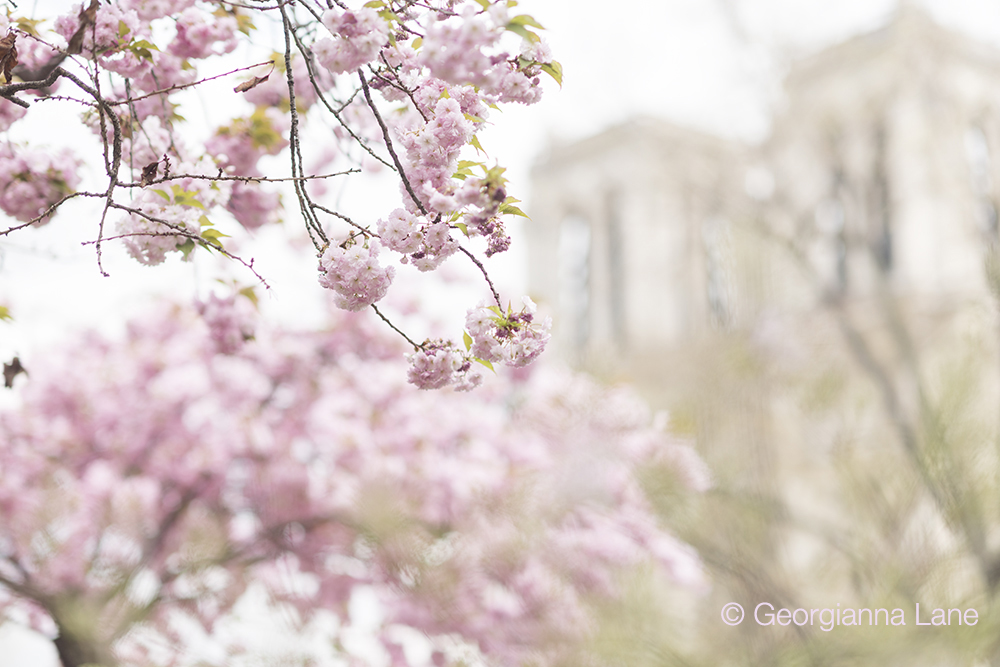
point(113, 26)
point(243, 142)
point(32, 180)
point(253, 206)
point(158, 228)
point(200, 34)
point(459, 50)
point(237, 148)
point(432, 151)
point(274, 91)
point(156, 477)
point(425, 244)
point(396, 87)
point(359, 35)
point(513, 339)
point(230, 321)
point(438, 364)
point(464, 50)
point(9, 112)
point(354, 274)
point(483, 197)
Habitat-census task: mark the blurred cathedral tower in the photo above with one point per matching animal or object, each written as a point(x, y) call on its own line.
point(882, 171)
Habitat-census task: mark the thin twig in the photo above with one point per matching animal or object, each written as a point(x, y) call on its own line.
point(388, 143)
point(393, 327)
point(496, 296)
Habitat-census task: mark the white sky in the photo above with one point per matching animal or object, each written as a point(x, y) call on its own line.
point(680, 59)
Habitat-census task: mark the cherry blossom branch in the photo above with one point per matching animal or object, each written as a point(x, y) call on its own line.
point(312, 224)
point(482, 269)
point(394, 328)
point(182, 86)
point(240, 179)
point(178, 231)
point(388, 142)
point(50, 210)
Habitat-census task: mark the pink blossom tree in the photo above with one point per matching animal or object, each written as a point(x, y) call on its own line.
point(402, 85)
point(147, 482)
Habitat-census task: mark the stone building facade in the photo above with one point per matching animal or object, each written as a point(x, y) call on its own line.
point(881, 170)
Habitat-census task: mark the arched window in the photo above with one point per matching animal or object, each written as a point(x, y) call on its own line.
point(719, 285)
point(977, 150)
point(574, 279)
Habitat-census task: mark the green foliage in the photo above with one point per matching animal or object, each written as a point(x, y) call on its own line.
point(243, 21)
point(212, 237)
point(258, 126)
point(26, 25)
point(519, 26)
point(553, 69)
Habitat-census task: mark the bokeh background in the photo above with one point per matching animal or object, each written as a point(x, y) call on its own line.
point(777, 219)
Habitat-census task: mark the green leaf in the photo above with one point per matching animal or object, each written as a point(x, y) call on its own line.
point(243, 21)
point(27, 25)
point(467, 339)
point(495, 309)
point(524, 19)
point(5, 314)
point(553, 69)
point(186, 248)
point(518, 29)
point(249, 293)
point(184, 197)
point(475, 143)
point(474, 119)
point(142, 49)
point(122, 30)
point(417, 43)
point(375, 4)
point(205, 222)
point(213, 236)
point(485, 4)
point(162, 194)
point(464, 227)
point(484, 363)
point(507, 209)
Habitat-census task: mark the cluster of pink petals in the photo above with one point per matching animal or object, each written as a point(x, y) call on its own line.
point(425, 244)
point(359, 35)
point(200, 34)
point(230, 321)
point(32, 180)
point(513, 339)
point(253, 206)
point(438, 364)
point(441, 65)
point(354, 274)
point(157, 476)
point(432, 150)
point(114, 25)
point(459, 50)
point(147, 239)
point(237, 148)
